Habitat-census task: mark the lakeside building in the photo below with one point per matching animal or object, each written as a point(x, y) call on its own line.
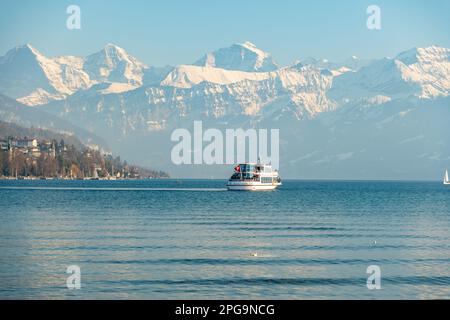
point(29, 146)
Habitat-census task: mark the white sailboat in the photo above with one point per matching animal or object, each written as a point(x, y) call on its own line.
point(446, 181)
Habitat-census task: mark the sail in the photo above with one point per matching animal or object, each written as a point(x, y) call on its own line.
point(446, 177)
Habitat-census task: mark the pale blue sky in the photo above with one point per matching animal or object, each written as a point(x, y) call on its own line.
point(175, 32)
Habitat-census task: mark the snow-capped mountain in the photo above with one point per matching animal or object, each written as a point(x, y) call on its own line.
point(190, 92)
point(31, 77)
point(318, 104)
point(188, 76)
point(420, 72)
point(34, 79)
point(114, 64)
point(428, 68)
point(352, 63)
point(242, 57)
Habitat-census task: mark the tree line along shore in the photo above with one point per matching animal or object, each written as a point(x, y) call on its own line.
point(32, 158)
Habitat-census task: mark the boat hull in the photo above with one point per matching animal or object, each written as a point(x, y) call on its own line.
point(252, 186)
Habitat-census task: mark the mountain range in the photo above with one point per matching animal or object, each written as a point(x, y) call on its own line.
point(356, 119)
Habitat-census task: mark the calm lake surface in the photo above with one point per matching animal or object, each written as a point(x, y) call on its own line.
point(156, 240)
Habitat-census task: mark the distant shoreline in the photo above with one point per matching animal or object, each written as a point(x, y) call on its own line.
point(79, 179)
point(209, 179)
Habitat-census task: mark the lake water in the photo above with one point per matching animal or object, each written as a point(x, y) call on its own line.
point(192, 239)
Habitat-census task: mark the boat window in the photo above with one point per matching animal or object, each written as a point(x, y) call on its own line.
point(248, 175)
point(247, 167)
point(236, 176)
point(266, 179)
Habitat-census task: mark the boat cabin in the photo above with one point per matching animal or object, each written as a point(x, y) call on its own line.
point(251, 171)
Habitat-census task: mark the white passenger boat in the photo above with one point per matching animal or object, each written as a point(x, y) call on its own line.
point(254, 177)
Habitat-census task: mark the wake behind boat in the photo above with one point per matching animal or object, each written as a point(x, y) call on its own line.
point(254, 177)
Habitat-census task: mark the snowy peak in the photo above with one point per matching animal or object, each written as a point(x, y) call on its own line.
point(29, 48)
point(253, 48)
point(429, 54)
point(114, 64)
point(22, 49)
point(428, 69)
point(418, 72)
point(24, 53)
point(34, 79)
point(351, 63)
point(187, 76)
point(242, 57)
point(24, 70)
point(113, 55)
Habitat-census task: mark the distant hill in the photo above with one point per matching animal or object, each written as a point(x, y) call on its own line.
point(15, 112)
point(74, 156)
point(11, 129)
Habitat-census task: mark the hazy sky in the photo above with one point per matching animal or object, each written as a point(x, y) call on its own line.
point(176, 32)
